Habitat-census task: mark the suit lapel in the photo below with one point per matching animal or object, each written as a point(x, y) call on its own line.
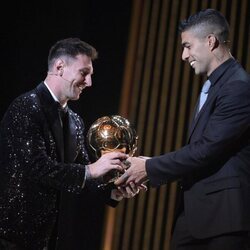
point(211, 96)
point(195, 120)
point(51, 113)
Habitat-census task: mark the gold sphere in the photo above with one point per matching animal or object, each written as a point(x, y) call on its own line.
point(111, 133)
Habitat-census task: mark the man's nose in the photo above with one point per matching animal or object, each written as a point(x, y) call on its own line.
point(185, 54)
point(88, 81)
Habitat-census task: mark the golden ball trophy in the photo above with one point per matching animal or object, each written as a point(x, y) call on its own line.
point(111, 133)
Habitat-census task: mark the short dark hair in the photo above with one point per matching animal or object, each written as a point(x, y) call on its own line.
point(70, 47)
point(208, 21)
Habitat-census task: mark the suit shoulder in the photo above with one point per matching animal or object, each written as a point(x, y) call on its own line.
point(24, 104)
point(26, 99)
point(240, 74)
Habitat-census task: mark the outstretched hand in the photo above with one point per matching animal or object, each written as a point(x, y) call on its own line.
point(136, 173)
point(107, 162)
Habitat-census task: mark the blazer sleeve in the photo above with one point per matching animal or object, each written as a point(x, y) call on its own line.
point(224, 133)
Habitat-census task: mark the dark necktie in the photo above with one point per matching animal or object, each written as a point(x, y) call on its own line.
point(69, 139)
point(63, 114)
point(64, 121)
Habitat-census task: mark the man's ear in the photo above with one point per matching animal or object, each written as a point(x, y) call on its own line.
point(59, 64)
point(213, 42)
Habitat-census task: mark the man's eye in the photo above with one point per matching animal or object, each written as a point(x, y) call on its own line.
point(85, 72)
point(186, 46)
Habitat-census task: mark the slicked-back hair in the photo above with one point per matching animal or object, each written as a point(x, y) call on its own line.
point(205, 22)
point(70, 47)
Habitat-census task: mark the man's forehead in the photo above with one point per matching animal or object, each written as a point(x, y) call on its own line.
point(184, 38)
point(86, 62)
point(84, 59)
point(88, 69)
point(188, 36)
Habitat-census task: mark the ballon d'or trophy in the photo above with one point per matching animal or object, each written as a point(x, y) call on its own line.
point(108, 134)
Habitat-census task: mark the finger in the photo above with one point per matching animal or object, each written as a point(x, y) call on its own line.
point(122, 191)
point(117, 167)
point(133, 187)
point(143, 187)
point(122, 179)
point(119, 155)
point(126, 192)
point(130, 192)
point(116, 162)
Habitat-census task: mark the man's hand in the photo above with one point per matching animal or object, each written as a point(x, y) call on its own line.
point(107, 162)
point(127, 192)
point(136, 173)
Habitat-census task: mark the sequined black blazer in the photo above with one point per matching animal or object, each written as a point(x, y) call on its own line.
point(31, 168)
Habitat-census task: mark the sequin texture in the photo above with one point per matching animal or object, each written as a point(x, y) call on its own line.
point(32, 173)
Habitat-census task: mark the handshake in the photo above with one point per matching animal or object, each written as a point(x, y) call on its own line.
point(128, 173)
point(134, 176)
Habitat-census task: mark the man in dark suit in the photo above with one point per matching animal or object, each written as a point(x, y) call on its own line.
point(43, 159)
point(214, 166)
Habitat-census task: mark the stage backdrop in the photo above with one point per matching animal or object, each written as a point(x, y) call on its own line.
point(158, 96)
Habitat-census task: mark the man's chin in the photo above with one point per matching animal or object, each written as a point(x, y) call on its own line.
point(75, 98)
point(197, 71)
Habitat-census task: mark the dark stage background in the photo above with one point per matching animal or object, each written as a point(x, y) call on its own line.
point(29, 30)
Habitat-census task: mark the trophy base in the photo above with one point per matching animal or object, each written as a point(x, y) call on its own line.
point(109, 179)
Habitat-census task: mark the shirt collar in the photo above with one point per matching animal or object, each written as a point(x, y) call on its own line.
point(53, 95)
point(216, 74)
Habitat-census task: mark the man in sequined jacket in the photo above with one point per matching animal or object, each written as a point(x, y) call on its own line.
point(39, 165)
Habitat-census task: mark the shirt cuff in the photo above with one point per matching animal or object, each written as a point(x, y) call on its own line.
point(87, 176)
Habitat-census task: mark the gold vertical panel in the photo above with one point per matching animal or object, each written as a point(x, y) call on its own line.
point(242, 28)
point(152, 76)
point(111, 232)
point(139, 61)
point(248, 50)
point(135, 33)
point(247, 40)
point(168, 15)
point(169, 222)
point(158, 96)
point(148, 79)
point(233, 23)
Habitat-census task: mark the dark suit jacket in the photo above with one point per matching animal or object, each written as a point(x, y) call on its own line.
point(214, 167)
point(36, 169)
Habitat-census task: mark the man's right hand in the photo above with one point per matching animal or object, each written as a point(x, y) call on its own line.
point(136, 173)
point(107, 162)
